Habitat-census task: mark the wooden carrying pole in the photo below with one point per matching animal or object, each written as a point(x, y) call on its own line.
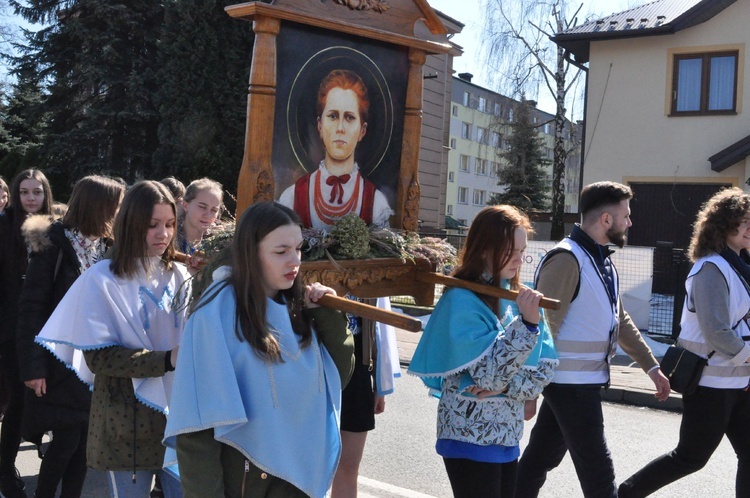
point(488, 290)
point(370, 312)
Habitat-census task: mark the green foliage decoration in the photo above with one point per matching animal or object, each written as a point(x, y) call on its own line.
point(352, 237)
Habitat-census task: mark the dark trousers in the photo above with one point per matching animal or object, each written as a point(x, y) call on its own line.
point(708, 414)
point(65, 459)
point(570, 419)
point(10, 434)
point(470, 479)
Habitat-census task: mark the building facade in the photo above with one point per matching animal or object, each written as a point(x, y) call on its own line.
point(479, 129)
point(666, 112)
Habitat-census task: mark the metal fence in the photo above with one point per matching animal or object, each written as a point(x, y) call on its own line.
point(671, 267)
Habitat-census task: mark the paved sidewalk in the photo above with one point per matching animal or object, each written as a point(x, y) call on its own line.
point(630, 385)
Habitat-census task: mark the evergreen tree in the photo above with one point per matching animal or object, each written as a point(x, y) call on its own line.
point(523, 176)
point(98, 59)
point(204, 65)
point(22, 119)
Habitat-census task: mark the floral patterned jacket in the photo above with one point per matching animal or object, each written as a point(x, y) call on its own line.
point(496, 420)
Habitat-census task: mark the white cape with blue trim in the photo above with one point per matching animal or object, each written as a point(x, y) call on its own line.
point(102, 310)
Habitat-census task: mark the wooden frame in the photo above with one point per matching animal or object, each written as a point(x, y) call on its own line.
point(395, 25)
point(393, 22)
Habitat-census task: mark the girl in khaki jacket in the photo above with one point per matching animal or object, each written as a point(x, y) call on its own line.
point(119, 328)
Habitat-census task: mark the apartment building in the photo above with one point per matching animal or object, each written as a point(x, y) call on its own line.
point(479, 128)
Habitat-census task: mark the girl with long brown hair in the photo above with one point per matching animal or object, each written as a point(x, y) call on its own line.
point(30, 193)
point(258, 386)
point(484, 358)
point(119, 327)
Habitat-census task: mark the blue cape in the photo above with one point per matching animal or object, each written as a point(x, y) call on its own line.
point(461, 331)
point(284, 417)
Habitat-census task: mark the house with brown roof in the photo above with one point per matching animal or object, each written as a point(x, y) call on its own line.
point(665, 107)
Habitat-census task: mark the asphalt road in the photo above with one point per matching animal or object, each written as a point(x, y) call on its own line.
point(400, 459)
point(400, 453)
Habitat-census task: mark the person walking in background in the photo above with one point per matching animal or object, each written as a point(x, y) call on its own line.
point(177, 188)
point(587, 328)
point(57, 400)
point(30, 193)
point(485, 359)
point(201, 207)
point(714, 325)
point(4, 199)
point(258, 385)
point(124, 341)
point(376, 368)
point(4, 195)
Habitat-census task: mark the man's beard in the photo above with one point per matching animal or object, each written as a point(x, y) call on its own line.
point(617, 238)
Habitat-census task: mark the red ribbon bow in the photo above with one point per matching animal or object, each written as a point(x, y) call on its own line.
point(337, 192)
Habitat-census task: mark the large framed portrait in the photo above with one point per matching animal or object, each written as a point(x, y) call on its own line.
point(319, 74)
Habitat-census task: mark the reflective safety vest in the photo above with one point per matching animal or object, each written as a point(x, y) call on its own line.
point(587, 338)
point(720, 372)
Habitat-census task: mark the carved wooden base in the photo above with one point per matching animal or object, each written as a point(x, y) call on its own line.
point(373, 277)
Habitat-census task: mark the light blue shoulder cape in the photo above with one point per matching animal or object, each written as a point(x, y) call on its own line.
point(461, 331)
point(284, 417)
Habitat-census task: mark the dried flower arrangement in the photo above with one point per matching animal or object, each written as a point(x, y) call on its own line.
point(351, 238)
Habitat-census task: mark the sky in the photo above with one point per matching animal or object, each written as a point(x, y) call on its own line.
point(469, 13)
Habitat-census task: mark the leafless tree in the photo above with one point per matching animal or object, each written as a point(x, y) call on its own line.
point(524, 60)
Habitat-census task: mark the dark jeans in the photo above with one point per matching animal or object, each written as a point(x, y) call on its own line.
point(470, 479)
point(65, 459)
point(10, 434)
point(570, 419)
point(708, 414)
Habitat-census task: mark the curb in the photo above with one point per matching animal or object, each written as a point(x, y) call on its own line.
point(636, 397)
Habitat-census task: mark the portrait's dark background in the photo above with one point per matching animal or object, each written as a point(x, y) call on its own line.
point(305, 55)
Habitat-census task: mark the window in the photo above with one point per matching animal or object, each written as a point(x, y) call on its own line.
point(455, 110)
point(483, 135)
point(449, 210)
point(463, 195)
point(498, 109)
point(463, 163)
point(451, 176)
point(466, 131)
point(479, 197)
point(453, 143)
point(462, 221)
point(548, 128)
point(495, 169)
point(482, 104)
point(467, 98)
point(510, 115)
point(496, 140)
point(480, 166)
point(704, 83)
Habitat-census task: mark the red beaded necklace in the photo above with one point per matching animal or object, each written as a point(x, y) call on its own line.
point(329, 213)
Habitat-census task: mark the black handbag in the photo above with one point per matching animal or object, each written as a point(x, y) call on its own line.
point(683, 369)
